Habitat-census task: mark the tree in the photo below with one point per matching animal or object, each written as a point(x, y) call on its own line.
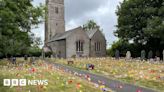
point(90, 25)
point(120, 45)
point(141, 21)
point(35, 50)
point(17, 17)
point(124, 46)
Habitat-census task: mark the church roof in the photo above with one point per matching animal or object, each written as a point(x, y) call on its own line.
point(64, 35)
point(90, 33)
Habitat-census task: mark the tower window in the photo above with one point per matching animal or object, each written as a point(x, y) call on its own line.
point(79, 46)
point(56, 10)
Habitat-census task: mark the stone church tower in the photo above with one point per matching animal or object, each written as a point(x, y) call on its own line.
point(75, 42)
point(55, 23)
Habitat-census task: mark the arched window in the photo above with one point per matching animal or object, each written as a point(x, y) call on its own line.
point(97, 46)
point(79, 46)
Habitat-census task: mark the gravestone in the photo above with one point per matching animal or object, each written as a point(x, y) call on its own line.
point(13, 60)
point(157, 56)
point(25, 57)
point(128, 55)
point(143, 54)
point(157, 53)
point(158, 59)
point(117, 54)
point(150, 54)
point(32, 60)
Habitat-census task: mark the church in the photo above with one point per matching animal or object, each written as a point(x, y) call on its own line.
point(72, 43)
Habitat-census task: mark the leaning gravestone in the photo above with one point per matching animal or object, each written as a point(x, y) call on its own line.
point(143, 54)
point(128, 55)
point(117, 54)
point(150, 54)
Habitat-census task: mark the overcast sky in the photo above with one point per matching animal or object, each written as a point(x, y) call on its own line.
point(78, 12)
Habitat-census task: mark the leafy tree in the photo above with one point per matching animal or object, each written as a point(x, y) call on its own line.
point(124, 46)
point(120, 45)
point(91, 24)
point(141, 21)
point(17, 17)
point(35, 50)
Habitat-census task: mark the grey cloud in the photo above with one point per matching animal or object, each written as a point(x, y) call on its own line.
point(77, 8)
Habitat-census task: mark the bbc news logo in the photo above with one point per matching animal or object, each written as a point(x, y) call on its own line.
point(23, 82)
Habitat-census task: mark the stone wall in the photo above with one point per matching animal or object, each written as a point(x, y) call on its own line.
point(98, 37)
point(58, 48)
point(78, 34)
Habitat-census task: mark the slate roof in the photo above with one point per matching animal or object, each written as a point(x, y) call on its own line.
point(64, 35)
point(90, 33)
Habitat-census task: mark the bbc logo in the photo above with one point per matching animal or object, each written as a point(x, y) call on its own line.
point(14, 82)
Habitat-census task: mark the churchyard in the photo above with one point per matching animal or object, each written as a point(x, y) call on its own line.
point(58, 79)
point(142, 73)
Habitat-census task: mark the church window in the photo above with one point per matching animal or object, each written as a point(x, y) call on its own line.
point(56, 10)
point(79, 46)
point(97, 46)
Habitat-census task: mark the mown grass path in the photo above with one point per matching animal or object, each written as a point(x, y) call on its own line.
point(110, 83)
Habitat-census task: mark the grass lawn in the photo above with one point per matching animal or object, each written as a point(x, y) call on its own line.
point(144, 74)
point(58, 80)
